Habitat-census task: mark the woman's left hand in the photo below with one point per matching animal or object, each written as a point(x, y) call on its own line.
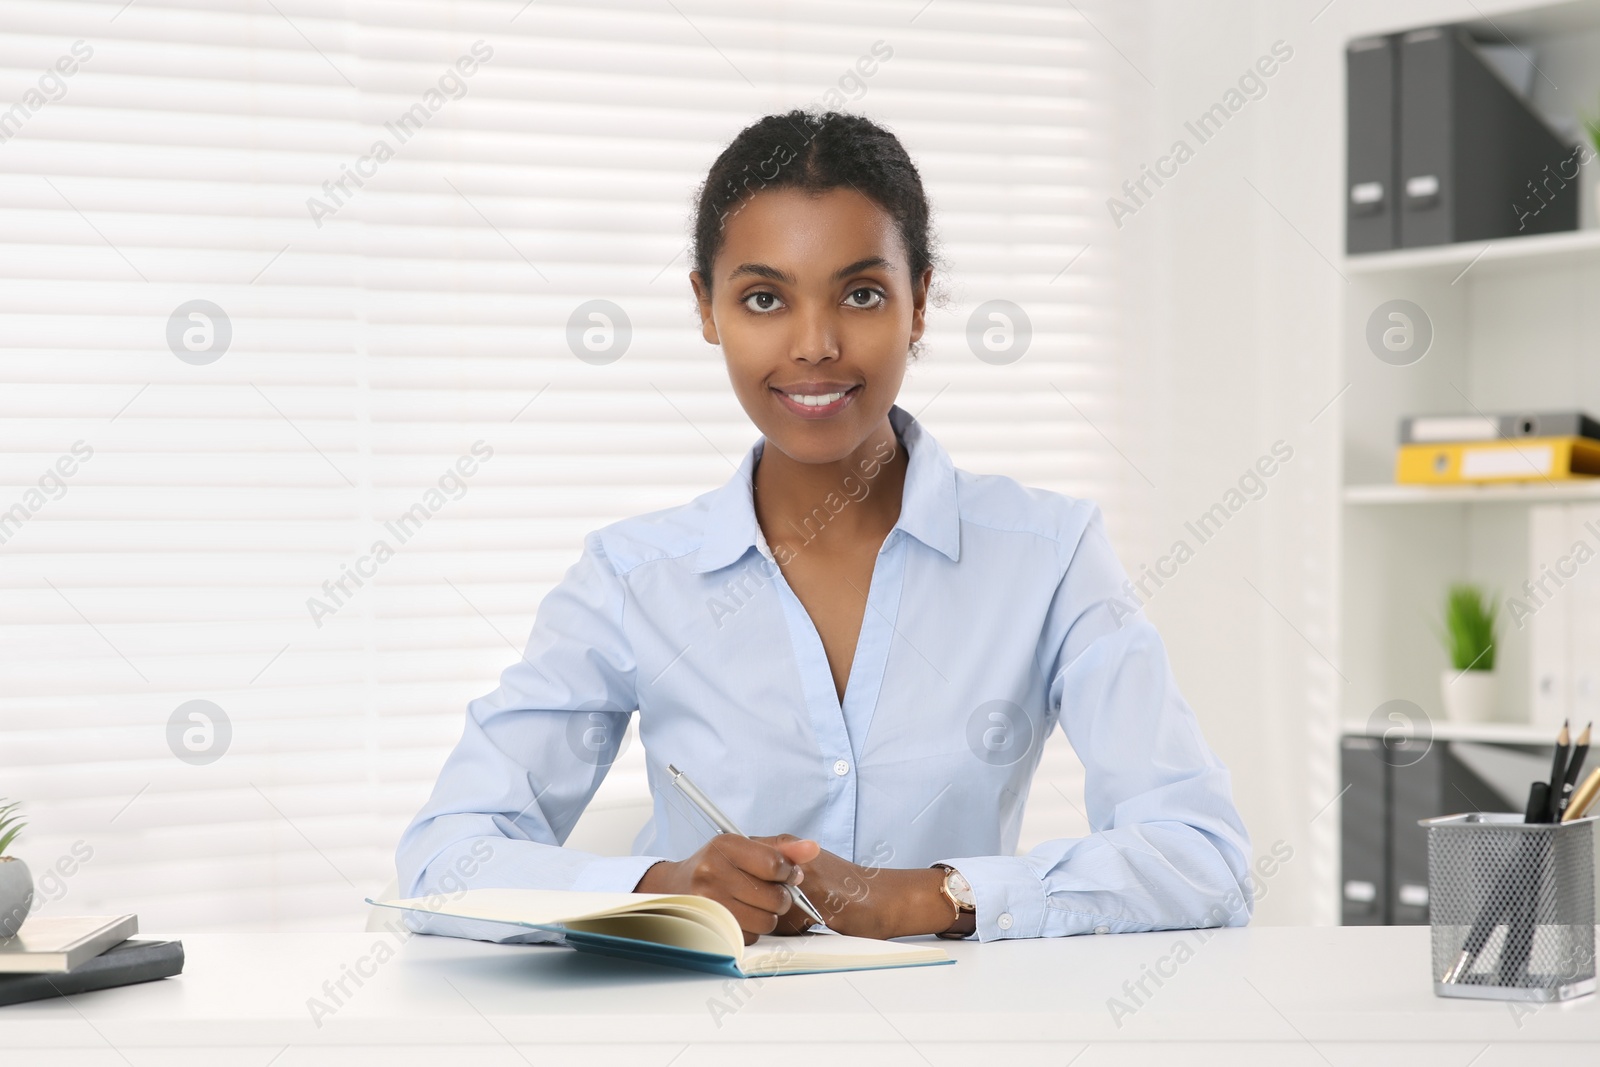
point(855, 900)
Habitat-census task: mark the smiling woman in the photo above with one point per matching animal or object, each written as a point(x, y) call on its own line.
point(897, 665)
point(816, 288)
point(229, 482)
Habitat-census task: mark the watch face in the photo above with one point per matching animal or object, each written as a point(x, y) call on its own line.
point(960, 889)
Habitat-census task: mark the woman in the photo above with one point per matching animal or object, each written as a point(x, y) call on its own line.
point(856, 650)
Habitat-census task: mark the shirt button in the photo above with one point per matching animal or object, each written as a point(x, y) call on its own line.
point(841, 767)
point(1102, 929)
point(1003, 920)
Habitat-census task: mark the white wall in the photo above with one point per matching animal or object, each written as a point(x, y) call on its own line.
point(1231, 297)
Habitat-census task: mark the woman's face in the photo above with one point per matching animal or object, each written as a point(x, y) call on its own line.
point(811, 295)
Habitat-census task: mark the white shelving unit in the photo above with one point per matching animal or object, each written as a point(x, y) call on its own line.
point(1505, 733)
point(1505, 255)
point(1469, 494)
point(1516, 327)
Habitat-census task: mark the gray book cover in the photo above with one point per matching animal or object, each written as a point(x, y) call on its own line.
point(1447, 429)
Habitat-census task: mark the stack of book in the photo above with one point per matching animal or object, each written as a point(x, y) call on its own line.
point(1536, 447)
point(53, 957)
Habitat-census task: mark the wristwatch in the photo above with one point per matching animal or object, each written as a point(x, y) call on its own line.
point(959, 893)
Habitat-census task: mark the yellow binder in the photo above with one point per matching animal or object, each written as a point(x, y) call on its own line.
point(1519, 459)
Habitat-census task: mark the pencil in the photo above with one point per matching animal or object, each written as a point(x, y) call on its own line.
point(1558, 772)
point(1583, 798)
point(1574, 767)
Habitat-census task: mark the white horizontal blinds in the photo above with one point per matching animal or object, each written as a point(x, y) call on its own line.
point(176, 566)
point(401, 374)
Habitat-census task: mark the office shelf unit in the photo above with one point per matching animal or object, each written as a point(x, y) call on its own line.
point(1502, 256)
point(1515, 327)
point(1521, 494)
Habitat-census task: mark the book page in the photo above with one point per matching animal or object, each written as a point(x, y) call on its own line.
point(527, 905)
point(57, 943)
point(544, 907)
point(58, 933)
point(773, 954)
point(672, 930)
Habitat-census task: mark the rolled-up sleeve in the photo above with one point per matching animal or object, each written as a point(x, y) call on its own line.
point(1168, 849)
point(531, 755)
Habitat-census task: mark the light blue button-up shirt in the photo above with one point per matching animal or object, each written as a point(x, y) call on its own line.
point(989, 620)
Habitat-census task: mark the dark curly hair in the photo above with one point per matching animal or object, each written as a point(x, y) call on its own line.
point(814, 152)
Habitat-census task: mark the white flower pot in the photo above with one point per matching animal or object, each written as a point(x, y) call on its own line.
point(16, 895)
point(1469, 696)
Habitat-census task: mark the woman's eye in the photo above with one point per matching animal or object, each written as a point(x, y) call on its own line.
point(864, 298)
point(762, 301)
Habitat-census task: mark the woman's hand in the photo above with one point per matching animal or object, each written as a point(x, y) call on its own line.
point(745, 875)
point(876, 902)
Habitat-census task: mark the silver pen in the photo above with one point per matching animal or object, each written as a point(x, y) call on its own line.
point(725, 824)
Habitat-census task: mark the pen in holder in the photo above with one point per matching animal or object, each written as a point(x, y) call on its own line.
point(1511, 905)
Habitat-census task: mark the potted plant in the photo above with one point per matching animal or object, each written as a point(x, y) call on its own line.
point(16, 883)
point(1468, 685)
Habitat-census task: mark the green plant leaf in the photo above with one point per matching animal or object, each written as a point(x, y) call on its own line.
point(1469, 627)
point(11, 825)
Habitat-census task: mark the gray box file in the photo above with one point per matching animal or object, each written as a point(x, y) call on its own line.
point(1364, 850)
point(1476, 162)
point(1372, 222)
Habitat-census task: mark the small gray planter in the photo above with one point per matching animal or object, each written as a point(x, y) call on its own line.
point(16, 895)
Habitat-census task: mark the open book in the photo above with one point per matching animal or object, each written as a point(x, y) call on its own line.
point(677, 930)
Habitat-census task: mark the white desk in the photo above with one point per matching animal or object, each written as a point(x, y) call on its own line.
point(1284, 996)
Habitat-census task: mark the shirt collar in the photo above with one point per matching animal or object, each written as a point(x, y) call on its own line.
point(928, 508)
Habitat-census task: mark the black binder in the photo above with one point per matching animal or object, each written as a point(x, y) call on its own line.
point(1476, 161)
point(127, 963)
point(1363, 832)
point(1373, 223)
point(1417, 785)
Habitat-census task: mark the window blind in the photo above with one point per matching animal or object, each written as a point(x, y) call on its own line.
point(287, 281)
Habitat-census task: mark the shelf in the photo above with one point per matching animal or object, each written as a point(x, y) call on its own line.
point(1526, 493)
point(1524, 23)
point(1509, 733)
point(1483, 258)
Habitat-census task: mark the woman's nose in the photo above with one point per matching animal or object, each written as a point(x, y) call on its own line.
point(816, 335)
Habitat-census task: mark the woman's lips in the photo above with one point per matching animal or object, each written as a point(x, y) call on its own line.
point(818, 411)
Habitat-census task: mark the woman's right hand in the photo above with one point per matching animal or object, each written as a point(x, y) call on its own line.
point(745, 875)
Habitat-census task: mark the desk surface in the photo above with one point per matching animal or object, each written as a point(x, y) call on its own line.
point(1284, 995)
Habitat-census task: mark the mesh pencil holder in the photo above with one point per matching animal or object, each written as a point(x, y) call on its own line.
point(1511, 906)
